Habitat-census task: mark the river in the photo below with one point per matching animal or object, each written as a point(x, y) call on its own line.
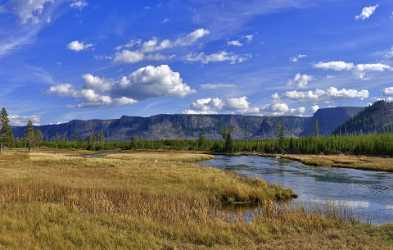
point(368, 194)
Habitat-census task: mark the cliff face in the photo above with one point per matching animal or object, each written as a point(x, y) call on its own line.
point(174, 127)
point(191, 126)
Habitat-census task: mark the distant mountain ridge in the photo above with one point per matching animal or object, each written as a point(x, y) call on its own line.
point(184, 126)
point(376, 118)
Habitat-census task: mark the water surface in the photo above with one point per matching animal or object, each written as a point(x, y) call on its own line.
point(368, 194)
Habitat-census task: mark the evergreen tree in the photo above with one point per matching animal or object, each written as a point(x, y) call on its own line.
point(30, 135)
point(228, 141)
point(202, 141)
point(6, 134)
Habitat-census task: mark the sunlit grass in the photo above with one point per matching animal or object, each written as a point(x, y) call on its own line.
point(64, 200)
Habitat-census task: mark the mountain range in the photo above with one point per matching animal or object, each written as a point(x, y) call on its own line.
point(184, 126)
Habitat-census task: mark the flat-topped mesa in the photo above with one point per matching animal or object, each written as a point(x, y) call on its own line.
point(184, 126)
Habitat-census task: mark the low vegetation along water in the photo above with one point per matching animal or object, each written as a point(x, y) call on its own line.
point(367, 194)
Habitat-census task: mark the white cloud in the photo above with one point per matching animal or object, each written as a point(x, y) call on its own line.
point(96, 83)
point(388, 91)
point(31, 11)
point(152, 81)
point(360, 70)
point(146, 82)
point(373, 67)
point(335, 65)
point(213, 86)
point(78, 46)
point(235, 105)
point(367, 12)
point(142, 50)
point(78, 4)
point(131, 57)
point(305, 95)
point(330, 93)
point(279, 107)
point(240, 42)
point(191, 38)
point(31, 18)
point(298, 57)
point(347, 93)
point(222, 56)
point(301, 80)
point(276, 96)
point(235, 43)
point(18, 120)
point(314, 108)
point(128, 56)
point(64, 89)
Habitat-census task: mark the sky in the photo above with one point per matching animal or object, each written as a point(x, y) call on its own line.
point(82, 59)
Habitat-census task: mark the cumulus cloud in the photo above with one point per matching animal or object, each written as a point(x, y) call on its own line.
point(78, 4)
point(236, 105)
point(146, 82)
point(96, 83)
point(330, 93)
point(347, 93)
point(222, 56)
point(137, 50)
point(281, 108)
point(367, 12)
point(297, 58)
point(359, 69)
point(152, 81)
point(300, 80)
point(362, 69)
point(79, 46)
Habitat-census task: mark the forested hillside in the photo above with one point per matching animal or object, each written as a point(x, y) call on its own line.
point(377, 118)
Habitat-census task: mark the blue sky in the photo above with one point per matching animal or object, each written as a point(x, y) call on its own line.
point(82, 59)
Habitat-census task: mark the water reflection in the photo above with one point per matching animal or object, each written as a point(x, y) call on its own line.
point(368, 194)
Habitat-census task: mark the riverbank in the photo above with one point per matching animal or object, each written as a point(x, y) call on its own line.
point(155, 200)
point(342, 161)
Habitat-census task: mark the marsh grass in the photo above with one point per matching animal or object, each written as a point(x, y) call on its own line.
point(345, 161)
point(62, 200)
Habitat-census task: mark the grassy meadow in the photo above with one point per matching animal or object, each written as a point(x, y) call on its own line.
point(126, 200)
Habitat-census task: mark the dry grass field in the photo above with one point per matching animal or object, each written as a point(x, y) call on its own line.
point(345, 161)
point(72, 200)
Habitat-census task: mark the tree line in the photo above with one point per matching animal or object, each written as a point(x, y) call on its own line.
point(33, 137)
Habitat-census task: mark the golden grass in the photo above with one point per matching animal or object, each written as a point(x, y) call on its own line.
point(345, 161)
point(63, 200)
